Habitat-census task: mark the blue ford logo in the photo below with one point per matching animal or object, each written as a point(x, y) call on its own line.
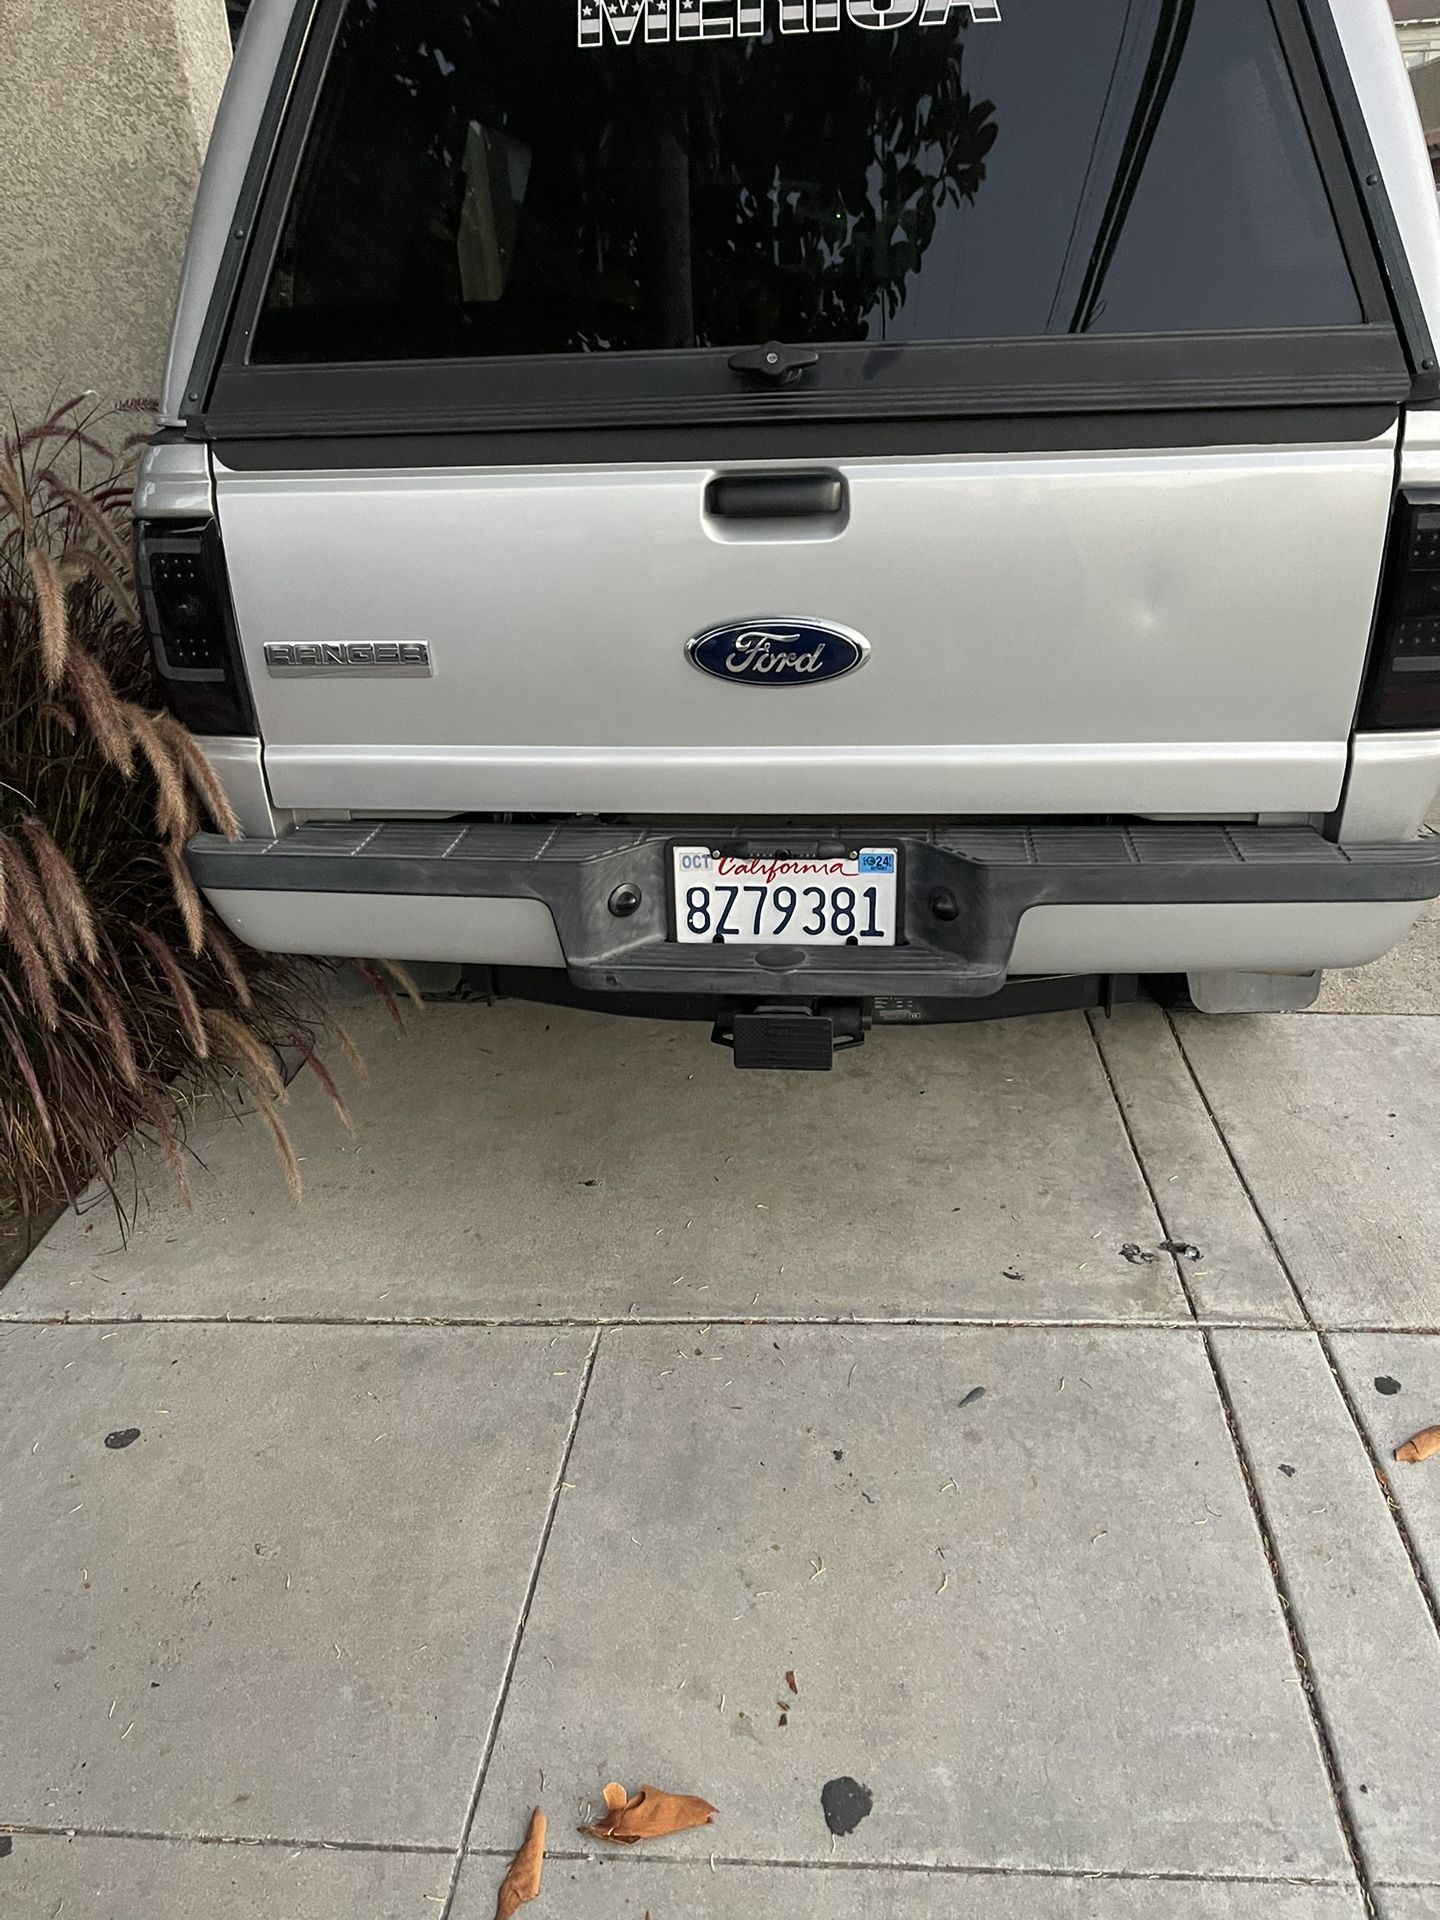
point(777, 653)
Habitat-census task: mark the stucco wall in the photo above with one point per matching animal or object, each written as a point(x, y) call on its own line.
point(105, 108)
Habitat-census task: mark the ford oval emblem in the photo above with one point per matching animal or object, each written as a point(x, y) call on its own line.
point(777, 653)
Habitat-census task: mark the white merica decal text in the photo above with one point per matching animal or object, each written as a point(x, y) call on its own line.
point(729, 19)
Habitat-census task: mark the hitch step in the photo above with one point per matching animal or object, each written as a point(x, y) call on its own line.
point(791, 1038)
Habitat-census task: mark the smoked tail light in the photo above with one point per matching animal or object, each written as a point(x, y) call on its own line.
point(191, 620)
point(1402, 682)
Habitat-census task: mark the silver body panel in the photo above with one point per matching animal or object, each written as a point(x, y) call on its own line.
point(1244, 936)
point(175, 483)
point(1138, 632)
point(1394, 784)
point(240, 769)
point(1208, 779)
point(496, 933)
point(1071, 939)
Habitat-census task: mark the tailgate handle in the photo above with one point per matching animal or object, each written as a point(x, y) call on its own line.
point(774, 496)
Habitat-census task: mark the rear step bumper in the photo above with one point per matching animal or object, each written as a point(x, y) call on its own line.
point(964, 888)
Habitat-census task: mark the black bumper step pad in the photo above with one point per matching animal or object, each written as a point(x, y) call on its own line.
point(964, 887)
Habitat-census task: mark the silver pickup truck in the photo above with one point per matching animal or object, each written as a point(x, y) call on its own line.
point(812, 512)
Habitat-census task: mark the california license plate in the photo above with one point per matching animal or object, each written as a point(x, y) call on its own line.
point(848, 901)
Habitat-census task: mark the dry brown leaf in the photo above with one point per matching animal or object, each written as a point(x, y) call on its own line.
point(521, 1884)
point(790, 1681)
point(648, 1814)
point(1419, 1446)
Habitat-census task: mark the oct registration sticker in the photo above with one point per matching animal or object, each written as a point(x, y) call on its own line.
point(848, 901)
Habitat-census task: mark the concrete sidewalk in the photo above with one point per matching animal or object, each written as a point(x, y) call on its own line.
point(596, 1389)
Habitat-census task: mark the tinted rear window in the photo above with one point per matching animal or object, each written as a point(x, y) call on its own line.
point(479, 183)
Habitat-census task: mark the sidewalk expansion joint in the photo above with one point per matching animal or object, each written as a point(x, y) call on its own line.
point(1141, 1168)
point(573, 1323)
point(1320, 1726)
point(512, 1660)
point(977, 1870)
point(1323, 1337)
point(294, 1843)
point(1339, 1793)
point(573, 1856)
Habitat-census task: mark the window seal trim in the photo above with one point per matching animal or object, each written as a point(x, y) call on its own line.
point(1120, 373)
point(816, 442)
point(1341, 366)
